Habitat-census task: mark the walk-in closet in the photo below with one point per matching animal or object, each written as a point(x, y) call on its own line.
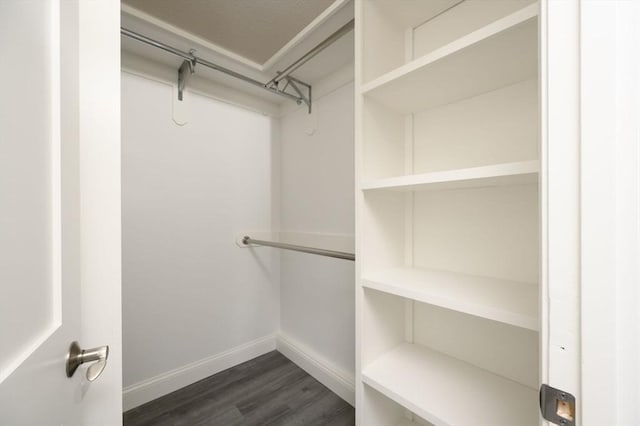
point(320, 212)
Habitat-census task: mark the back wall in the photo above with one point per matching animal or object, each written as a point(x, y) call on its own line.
point(189, 293)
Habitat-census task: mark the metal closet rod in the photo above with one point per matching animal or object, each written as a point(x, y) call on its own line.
point(313, 52)
point(322, 252)
point(193, 58)
point(272, 85)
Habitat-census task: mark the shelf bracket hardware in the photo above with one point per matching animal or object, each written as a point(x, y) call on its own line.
point(557, 406)
point(185, 71)
point(295, 83)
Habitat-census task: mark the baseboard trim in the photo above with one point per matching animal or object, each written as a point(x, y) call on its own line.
point(340, 382)
point(155, 387)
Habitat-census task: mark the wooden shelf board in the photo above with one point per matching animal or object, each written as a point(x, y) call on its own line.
point(497, 55)
point(446, 391)
point(509, 302)
point(495, 175)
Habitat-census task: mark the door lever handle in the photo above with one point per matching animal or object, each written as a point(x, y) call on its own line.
point(77, 356)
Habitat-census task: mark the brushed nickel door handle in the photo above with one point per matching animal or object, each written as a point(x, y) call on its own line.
point(77, 356)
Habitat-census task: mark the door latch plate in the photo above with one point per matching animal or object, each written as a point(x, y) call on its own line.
point(557, 406)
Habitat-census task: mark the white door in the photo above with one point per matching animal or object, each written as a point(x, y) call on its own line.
point(59, 209)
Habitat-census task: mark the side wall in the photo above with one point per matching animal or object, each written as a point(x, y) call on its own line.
point(193, 302)
point(317, 293)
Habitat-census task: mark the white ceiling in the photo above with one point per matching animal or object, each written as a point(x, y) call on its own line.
point(253, 29)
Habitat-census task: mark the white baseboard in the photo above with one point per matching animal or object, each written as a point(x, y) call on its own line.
point(155, 387)
point(340, 382)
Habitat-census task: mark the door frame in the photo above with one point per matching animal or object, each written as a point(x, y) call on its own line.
point(590, 193)
point(559, 72)
point(610, 211)
point(99, 177)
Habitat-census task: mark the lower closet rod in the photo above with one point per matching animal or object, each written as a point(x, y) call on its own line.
point(322, 252)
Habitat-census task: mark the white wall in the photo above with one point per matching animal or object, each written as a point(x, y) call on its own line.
point(317, 293)
point(189, 293)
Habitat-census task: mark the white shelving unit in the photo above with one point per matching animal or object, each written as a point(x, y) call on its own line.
point(447, 222)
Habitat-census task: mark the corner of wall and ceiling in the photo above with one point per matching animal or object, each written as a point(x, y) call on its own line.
point(336, 6)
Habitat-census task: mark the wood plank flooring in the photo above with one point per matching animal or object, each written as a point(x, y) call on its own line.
point(268, 390)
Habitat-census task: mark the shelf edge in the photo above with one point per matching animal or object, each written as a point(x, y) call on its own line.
point(504, 170)
point(490, 313)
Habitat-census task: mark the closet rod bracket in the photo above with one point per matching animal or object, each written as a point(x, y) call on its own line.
point(295, 84)
point(187, 68)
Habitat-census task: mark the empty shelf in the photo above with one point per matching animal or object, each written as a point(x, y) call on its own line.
point(509, 302)
point(495, 175)
point(497, 55)
point(446, 391)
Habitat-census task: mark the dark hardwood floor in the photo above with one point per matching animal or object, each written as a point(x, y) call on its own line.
point(268, 390)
